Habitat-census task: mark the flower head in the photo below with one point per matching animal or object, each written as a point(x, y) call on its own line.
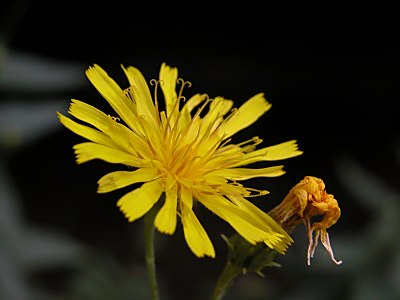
point(183, 153)
point(304, 201)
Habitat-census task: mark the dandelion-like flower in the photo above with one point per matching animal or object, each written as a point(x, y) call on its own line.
point(304, 201)
point(184, 153)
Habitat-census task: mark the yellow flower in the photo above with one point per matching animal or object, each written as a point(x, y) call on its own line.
point(183, 152)
point(304, 201)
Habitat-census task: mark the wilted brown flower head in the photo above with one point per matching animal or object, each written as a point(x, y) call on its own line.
point(304, 201)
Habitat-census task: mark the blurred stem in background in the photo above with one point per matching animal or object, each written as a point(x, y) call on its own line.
point(11, 15)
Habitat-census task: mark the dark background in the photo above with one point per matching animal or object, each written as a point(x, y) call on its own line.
point(333, 89)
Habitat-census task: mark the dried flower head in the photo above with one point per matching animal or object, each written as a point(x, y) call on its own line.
point(304, 201)
point(183, 152)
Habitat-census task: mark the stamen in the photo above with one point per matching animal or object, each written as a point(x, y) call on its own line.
point(255, 140)
point(208, 156)
point(198, 112)
point(115, 119)
point(183, 164)
point(156, 83)
point(189, 128)
point(259, 192)
point(223, 148)
point(225, 142)
point(168, 122)
point(129, 94)
point(175, 144)
point(249, 190)
point(183, 83)
point(145, 137)
point(233, 112)
point(176, 134)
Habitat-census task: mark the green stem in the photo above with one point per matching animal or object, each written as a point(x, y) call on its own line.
point(225, 280)
point(149, 254)
point(243, 257)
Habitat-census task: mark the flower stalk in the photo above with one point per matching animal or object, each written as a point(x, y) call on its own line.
point(225, 280)
point(243, 257)
point(149, 251)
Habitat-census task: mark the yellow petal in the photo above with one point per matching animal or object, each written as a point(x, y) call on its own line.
point(141, 93)
point(193, 102)
point(272, 153)
point(110, 90)
point(195, 235)
point(245, 173)
point(138, 202)
point(89, 114)
point(88, 151)
point(128, 140)
point(218, 108)
point(191, 132)
point(222, 105)
point(246, 115)
point(119, 179)
point(186, 197)
point(165, 220)
point(121, 136)
point(236, 189)
point(85, 131)
point(168, 77)
point(267, 223)
point(281, 151)
point(236, 217)
point(187, 108)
